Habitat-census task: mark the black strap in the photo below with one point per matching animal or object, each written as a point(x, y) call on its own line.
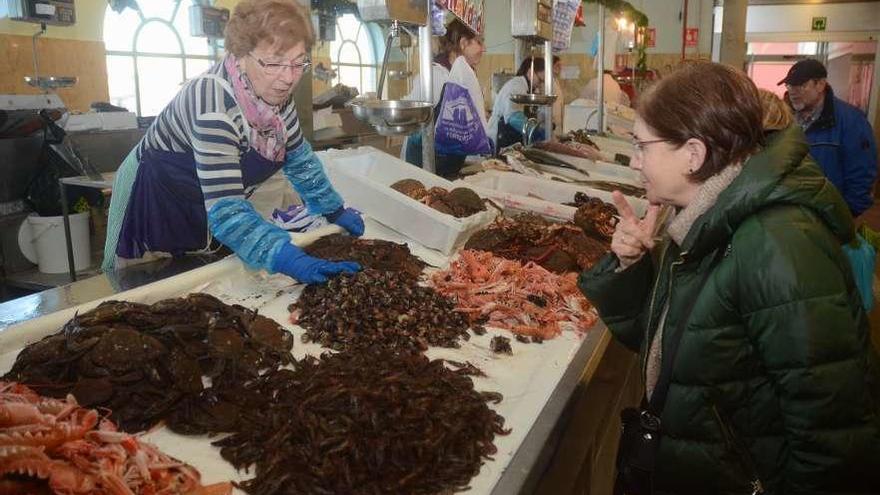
point(658, 397)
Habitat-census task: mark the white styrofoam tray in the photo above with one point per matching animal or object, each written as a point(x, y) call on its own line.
point(541, 196)
point(363, 177)
point(527, 379)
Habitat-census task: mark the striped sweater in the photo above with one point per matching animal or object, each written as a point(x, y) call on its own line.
point(204, 119)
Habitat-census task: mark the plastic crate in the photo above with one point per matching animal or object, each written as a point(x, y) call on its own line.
point(363, 177)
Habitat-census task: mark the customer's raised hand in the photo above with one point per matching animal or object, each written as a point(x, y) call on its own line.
point(633, 236)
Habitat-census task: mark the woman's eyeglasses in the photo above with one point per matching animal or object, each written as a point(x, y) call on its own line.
point(273, 68)
point(640, 145)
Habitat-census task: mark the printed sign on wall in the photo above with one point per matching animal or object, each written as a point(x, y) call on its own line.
point(691, 36)
point(650, 37)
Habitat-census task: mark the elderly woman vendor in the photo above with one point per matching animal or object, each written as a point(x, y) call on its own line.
point(184, 186)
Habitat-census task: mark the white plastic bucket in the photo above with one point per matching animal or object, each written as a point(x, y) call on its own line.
point(48, 246)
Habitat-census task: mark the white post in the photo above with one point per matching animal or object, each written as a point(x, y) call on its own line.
point(548, 89)
point(600, 67)
point(427, 92)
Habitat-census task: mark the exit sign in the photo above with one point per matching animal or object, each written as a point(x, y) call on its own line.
point(820, 23)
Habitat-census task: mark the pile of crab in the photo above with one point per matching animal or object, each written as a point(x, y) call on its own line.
point(527, 237)
point(181, 361)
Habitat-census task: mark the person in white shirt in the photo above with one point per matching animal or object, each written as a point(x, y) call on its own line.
point(508, 118)
point(459, 41)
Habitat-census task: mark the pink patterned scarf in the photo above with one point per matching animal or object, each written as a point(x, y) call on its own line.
point(268, 133)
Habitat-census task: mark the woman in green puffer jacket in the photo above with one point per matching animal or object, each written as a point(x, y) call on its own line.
point(774, 378)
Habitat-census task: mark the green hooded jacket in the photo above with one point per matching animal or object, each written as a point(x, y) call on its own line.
point(775, 368)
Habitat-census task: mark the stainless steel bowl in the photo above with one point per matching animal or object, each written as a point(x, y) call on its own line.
point(391, 117)
point(533, 99)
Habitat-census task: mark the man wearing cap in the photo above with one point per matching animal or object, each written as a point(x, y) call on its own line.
point(840, 137)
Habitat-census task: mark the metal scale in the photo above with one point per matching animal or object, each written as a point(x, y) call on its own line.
point(400, 117)
point(43, 12)
point(531, 22)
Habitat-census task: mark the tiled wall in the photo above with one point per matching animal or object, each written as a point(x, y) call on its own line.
point(57, 57)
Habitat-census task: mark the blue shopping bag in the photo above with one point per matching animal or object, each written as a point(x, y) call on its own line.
point(863, 259)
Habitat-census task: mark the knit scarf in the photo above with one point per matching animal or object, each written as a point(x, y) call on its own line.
point(268, 134)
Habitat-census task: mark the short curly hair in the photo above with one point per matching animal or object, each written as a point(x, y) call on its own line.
point(282, 23)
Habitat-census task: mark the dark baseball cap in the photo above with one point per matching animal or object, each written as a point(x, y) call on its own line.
point(804, 71)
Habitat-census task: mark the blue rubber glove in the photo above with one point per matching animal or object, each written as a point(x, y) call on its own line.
point(349, 219)
point(294, 262)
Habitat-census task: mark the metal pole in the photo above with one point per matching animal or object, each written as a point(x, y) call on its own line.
point(392, 33)
point(71, 267)
point(36, 57)
point(684, 27)
point(600, 66)
point(548, 89)
point(427, 92)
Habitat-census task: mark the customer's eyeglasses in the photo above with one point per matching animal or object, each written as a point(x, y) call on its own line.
point(640, 145)
point(273, 68)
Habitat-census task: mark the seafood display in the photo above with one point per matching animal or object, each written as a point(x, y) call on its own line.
point(460, 202)
point(373, 307)
point(56, 446)
point(373, 421)
point(558, 247)
point(149, 363)
point(525, 298)
point(370, 253)
point(594, 216)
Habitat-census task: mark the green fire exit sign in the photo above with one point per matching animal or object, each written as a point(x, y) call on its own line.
point(819, 23)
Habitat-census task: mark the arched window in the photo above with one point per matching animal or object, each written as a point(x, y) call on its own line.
point(352, 54)
point(150, 53)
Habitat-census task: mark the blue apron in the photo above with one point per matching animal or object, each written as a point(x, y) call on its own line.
point(166, 209)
